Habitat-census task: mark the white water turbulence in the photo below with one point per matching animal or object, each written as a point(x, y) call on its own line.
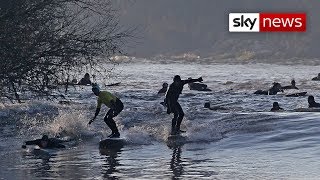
point(239, 139)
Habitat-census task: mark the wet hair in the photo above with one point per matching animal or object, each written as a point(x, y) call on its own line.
point(275, 104)
point(207, 105)
point(176, 78)
point(87, 76)
point(293, 82)
point(165, 84)
point(45, 138)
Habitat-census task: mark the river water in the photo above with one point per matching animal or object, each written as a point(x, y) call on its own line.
point(244, 141)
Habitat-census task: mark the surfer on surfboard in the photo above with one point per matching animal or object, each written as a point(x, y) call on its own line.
point(173, 105)
point(112, 102)
point(45, 142)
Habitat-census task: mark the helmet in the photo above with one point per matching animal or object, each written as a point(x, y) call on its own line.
point(95, 87)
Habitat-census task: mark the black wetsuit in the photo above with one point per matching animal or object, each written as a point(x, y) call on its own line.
point(84, 81)
point(114, 110)
point(173, 106)
point(316, 78)
point(276, 109)
point(163, 90)
point(314, 104)
point(272, 91)
point(289, 87)
point(198, 87)
point(52, 143)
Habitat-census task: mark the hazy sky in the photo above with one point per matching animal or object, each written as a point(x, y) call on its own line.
point(177, 26)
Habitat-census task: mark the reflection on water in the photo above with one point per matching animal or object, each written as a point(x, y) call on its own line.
point(175, 163)
point(109, 168)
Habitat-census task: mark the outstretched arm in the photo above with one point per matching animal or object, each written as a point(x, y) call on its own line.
point(192, 80)
point(95, 115)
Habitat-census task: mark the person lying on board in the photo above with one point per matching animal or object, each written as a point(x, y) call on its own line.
point(198, 86)
point(45, 142)
point(312, 102)
point(272, 91)
point(292, 86)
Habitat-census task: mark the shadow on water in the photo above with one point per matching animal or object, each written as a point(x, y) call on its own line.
point(111, 161)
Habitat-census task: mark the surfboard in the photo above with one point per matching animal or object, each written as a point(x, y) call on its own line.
point(296, 94)
point(176, 140)
point(112, 143)
point(307, 110)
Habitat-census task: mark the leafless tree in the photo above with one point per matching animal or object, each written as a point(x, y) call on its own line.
point(42, 41)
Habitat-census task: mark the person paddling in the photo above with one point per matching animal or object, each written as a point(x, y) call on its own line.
point(45, 142)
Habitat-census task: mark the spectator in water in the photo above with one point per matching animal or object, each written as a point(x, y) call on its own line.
point(276, 107)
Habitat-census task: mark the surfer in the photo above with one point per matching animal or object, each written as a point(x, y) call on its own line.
point(85, 80)
point(272, 91)
point(292, 86)
point(112, 102)
point(45, 142)
point(276, 107)
point(316, 78)
point(198, 86)
point(173, 106)
point(312, 102)
point(164, 88)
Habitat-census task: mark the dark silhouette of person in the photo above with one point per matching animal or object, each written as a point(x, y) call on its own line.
point(292, 86)
point(164, 88)
point(276, 107)
point(272, 91)
point(74, 81)
point(198, 86)
point(112, 102)
point(316, 78)
point(312, 102)
point(45, 142)
point(85, 80)
point(173, 106)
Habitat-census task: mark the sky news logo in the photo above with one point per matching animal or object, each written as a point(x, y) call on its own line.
point(267, 22)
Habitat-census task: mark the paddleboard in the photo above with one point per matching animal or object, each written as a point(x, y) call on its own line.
point(112, 143)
